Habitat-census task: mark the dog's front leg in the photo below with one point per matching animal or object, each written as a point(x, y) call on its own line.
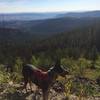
point(45, 95)
point(25, 85)
point(30, 83)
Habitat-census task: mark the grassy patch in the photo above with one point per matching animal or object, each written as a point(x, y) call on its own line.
point(92, 74)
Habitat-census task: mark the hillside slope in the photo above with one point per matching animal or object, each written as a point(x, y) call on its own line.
point(50, 26)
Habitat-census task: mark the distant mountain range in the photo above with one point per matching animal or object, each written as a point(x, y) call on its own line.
point(48, 25)
point(42, 16)
point(81, 14)
point(27, 16)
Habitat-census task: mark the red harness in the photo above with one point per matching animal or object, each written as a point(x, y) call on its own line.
point(41, 75)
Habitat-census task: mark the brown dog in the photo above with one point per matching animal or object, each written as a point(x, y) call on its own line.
point(42, 79)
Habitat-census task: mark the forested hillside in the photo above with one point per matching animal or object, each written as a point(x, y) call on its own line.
point(81, 41)
point(49, 27)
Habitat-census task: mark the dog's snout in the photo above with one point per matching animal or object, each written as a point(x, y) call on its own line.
point(67, 72)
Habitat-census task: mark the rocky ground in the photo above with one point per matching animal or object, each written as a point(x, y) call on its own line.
point(13, 91)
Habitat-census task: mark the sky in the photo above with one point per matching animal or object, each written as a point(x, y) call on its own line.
point(13, 6)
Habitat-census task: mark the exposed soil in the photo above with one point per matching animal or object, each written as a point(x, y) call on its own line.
point(13, 91)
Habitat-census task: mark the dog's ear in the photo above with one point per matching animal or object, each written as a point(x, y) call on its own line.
point(57, 63)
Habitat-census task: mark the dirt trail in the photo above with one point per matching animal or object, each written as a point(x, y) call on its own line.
point(14, 92)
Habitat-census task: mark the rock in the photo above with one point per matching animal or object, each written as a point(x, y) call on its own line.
point(10, 83)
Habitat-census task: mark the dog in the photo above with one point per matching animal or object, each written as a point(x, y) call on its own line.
point(42, 79)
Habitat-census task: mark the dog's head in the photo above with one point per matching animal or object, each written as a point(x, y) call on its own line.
point(60, 70)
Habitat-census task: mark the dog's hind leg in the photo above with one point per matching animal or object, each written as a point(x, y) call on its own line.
point(45, 95)
point(25, 85)
point(30, 84)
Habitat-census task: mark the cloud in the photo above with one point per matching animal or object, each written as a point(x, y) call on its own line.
point(13, 1)
point(48, 5)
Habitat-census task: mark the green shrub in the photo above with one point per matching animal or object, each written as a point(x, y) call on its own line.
point(4, 77)
point(18, 65)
